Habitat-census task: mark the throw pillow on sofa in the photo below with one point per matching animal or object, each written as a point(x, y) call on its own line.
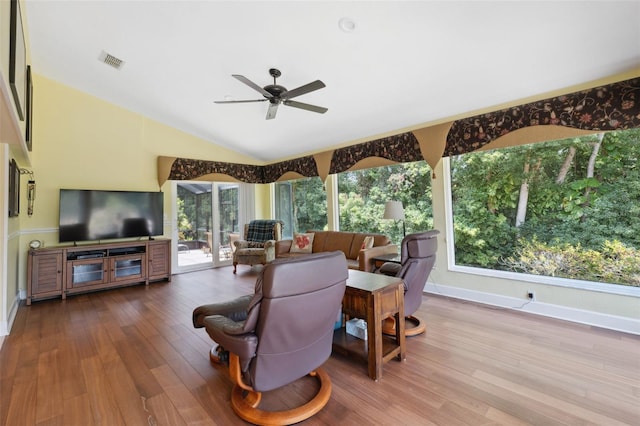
point(302, 243)
point(367, 243)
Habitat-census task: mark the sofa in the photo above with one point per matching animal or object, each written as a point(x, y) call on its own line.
point(350, 243)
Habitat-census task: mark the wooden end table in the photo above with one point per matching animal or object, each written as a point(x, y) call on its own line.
point(378, 261)
point(373, 297)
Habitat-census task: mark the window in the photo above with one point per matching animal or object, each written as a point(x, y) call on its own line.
point(301, 204)
point(567, 208)
point(362, 196)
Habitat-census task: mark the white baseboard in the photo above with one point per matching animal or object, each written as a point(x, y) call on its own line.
point(612, 322)
point(5, 326)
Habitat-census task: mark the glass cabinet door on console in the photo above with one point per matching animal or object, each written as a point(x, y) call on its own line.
point(129, 267)
point(86, 272)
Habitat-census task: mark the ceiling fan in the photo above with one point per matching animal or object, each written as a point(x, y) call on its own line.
point(276, 94)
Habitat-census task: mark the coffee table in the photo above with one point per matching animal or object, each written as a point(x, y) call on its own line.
point(373, 297)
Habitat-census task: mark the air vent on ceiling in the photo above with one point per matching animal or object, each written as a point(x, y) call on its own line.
point(111, 60)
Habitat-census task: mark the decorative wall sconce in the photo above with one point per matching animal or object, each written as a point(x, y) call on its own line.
point(31, 190)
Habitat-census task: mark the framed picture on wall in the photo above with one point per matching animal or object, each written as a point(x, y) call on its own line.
point(17, 59)
point(29, 131)
point(14, 188)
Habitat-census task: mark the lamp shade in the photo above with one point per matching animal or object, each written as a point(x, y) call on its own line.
point(393, 210)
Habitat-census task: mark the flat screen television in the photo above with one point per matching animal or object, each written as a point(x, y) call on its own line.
point(93, 215)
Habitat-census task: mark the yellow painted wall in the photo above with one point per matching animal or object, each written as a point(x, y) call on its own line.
point(4, 66)
point(83, 142)
point(10, 149)
point(5, 14)
point(263, 201)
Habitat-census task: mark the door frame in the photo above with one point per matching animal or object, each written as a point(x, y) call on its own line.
point(246, 212)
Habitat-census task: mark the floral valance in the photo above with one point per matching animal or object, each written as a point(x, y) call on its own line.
point(402, 148)
point(172, 168)
point(604, 108)
point(304, 166)
point(610, 107)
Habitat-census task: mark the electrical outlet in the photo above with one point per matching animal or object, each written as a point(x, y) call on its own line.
point(531, 295)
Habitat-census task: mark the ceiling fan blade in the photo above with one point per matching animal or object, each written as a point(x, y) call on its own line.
point(314, 85)
point(251, 84)
point(239, 101)
point(271, 112)
point(308, 107)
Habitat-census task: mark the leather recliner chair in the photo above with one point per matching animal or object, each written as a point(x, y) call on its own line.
point(417, 257)
point(280, 334)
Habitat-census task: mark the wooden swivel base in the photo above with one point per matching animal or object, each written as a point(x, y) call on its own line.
point(412, 326)
point(245, 401)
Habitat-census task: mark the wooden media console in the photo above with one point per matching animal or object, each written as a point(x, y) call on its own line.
point(59, 271)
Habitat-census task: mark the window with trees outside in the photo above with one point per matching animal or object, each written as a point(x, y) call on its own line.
point(301, 204)
point(568, 208)
point(362, 195)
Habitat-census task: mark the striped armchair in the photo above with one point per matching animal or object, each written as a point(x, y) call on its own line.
point(258, 245)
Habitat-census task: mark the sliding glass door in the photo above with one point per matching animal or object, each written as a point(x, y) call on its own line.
point(206, 215)
point(226, 202)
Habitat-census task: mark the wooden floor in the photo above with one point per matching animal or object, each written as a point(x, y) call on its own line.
point(131, 356)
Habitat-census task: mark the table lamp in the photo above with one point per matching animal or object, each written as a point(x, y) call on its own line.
point(394, 210)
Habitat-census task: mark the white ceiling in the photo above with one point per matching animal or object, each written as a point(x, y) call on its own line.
point(405, 64)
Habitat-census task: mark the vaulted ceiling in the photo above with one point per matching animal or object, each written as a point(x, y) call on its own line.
point(388, 66)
